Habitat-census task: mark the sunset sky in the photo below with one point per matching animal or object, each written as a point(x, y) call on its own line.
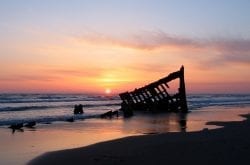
point(109, 45)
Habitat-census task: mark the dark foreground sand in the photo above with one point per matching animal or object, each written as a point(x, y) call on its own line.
point(228, 145)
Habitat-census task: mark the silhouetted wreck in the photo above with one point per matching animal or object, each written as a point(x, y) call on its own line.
point(155, 96)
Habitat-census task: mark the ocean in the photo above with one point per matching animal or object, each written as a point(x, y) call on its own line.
point(46, 108)
point(20, 146)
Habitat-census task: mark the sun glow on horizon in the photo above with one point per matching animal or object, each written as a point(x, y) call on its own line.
point(108, 91)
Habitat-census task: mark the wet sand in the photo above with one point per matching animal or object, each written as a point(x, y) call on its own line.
point(23, 145)
point(227, 145)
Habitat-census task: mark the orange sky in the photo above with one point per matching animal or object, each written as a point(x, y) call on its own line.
point(94, 63)
point(92, 47)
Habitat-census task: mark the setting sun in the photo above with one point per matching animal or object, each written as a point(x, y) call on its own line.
point(107, 91)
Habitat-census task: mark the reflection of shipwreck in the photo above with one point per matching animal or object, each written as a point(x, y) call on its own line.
point(155, 96)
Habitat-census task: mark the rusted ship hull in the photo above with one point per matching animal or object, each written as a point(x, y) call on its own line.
point(155, 96)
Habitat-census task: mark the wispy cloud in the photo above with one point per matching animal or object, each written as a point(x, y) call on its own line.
point(26, 77)
point(218, 50)
point(149, 67)
point(154, 40)
point(81, 72)
point(50, 74)
point(234, 50)
point(143, 41)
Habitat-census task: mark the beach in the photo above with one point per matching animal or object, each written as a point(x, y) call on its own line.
point(53, 133)
point(227, 145)
point(27, 144)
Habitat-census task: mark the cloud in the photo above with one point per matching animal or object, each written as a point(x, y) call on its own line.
point(143, 41)
point(234, 50)
point(21, 78)
point(159, 39)
point(149, 67)
point(50, 74)
point(216, 50)
point(86, 72)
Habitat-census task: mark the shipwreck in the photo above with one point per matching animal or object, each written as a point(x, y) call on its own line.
point(155, 96)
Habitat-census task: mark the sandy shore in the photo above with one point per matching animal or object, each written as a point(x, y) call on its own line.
point(228, 145)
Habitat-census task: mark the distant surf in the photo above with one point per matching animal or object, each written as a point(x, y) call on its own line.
point(44, 108)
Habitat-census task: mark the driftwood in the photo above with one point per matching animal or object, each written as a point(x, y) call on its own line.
point(30, 124)
point(155, 96)
point(16, 126)
point(110, 114)
point(70, 119)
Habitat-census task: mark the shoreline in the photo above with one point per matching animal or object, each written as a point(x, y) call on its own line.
point(22, 146)
point(227, 145)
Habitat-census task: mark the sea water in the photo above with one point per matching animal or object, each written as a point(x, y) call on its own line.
point(45, 108)
point(20, 146)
